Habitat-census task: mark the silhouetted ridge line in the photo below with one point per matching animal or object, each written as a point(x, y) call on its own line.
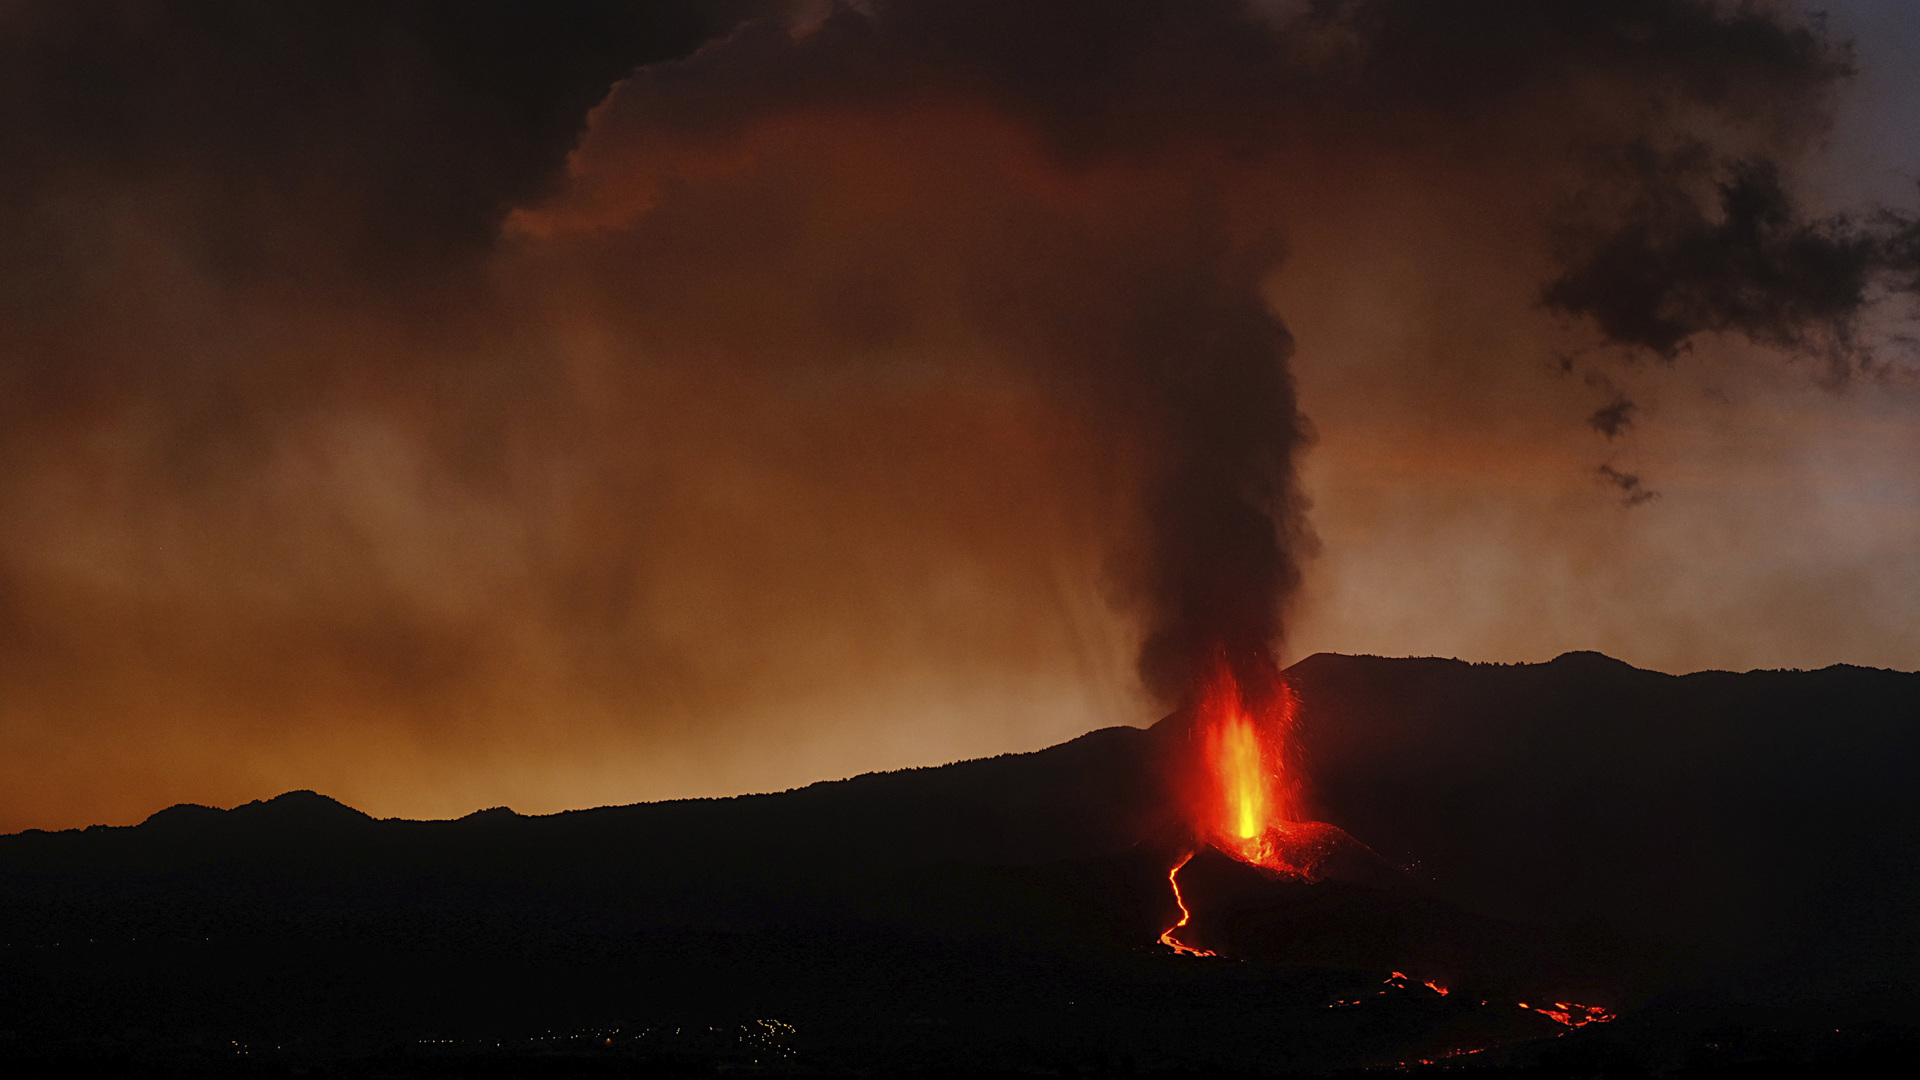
point(1578, 827)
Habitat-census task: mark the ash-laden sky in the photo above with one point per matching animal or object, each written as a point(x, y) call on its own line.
point(444, 404)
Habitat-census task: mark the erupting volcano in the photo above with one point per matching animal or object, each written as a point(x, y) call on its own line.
point(1243, 784)
point(1265, 883)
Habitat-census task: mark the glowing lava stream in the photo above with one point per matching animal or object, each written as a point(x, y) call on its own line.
point(1166, 936)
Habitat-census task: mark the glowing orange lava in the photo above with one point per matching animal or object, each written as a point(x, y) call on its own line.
point(1572, 1015)
point(1244, 798)
point(1166, 936)
point(1250, 802)
point(1246, 805)
point(1237, 761)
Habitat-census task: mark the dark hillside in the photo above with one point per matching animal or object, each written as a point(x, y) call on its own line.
point(1675, 845)
point(1762, 827)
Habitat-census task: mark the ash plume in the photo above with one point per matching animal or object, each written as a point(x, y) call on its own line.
point(1231, 98)
point(652, 366)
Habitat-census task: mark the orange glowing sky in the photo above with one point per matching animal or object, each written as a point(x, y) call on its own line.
point(697, 474)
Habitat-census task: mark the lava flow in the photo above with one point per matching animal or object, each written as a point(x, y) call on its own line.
point(1166, 936)
point(1572, 1015)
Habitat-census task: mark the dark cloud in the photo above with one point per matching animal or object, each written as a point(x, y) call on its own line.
point(1632, 491)
point(1902, 247)
point(410, 127)
point(1144, 78)
point(1675, 267)
point(1614, 417)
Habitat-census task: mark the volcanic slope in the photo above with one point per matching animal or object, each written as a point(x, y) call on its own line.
point(1665, 843)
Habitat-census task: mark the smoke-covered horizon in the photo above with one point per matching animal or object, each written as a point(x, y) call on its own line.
point(475, 404)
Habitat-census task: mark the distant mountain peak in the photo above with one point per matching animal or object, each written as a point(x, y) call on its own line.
point(302, 805)
point(294, 810)
point(183, 815)
point(1589, 658)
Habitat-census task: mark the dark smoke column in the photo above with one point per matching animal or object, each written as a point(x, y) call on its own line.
point(1227, 520)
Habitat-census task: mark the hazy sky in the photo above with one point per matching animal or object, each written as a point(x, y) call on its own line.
point(1784, 534)
point(443, 410)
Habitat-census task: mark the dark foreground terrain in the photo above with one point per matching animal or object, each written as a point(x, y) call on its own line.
point(1728, 862)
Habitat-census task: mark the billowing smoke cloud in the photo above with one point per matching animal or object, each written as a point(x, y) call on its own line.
point(1144, 308)
point(1242, 115)
point(354, 356)
point(391, 136)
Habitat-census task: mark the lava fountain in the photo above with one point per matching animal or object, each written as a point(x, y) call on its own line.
point(1243, 783)
point(1249, 795)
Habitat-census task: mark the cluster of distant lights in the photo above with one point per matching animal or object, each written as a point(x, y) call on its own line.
point(769, 1036)
point(764, 1039)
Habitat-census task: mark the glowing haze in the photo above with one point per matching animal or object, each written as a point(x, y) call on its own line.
point(442, 404)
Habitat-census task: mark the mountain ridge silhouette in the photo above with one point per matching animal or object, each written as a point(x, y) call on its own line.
point(1660, 841)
